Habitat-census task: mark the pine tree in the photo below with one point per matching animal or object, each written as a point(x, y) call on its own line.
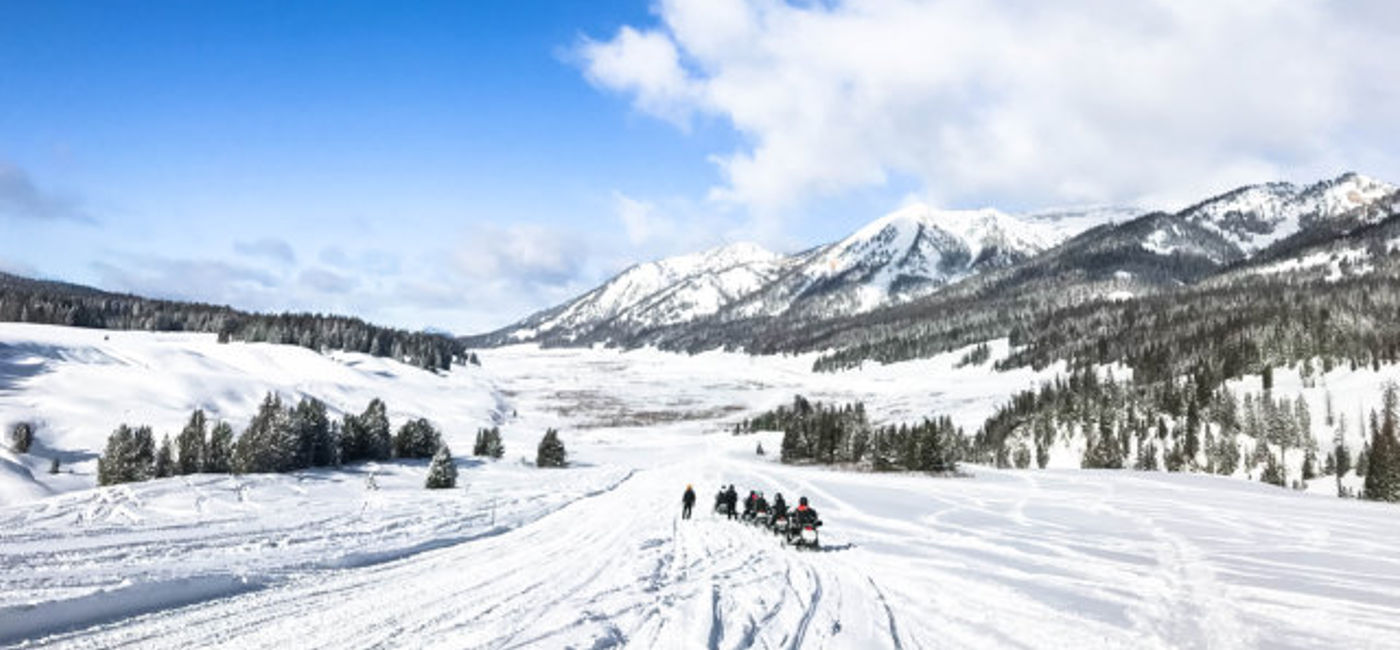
point(165, 459)
point(1273, 472)
point(551, 451)
point(417, 439)
point(21, 437)
point(311, 430)
point(488, 443)
point(129, 456)
point(442, 471)
point(378, 440)
point(268, 444)
point(759, 451)
point(218, 457)
point(190, 445)
point(1383, 462)
point(354, 446)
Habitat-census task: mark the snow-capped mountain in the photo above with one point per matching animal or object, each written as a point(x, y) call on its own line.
point(900, 256)
point(1258, 216)
point(918, 254)
point(652, 294)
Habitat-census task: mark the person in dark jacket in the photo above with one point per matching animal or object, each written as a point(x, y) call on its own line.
point(687, 502)
point(779, 505)
point(804, 515)
point(731, 497)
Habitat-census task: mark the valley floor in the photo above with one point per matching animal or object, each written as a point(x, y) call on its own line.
point(596, 556)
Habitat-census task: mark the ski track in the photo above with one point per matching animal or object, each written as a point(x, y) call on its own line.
point(597, 556)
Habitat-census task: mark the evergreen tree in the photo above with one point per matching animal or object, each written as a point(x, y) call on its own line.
point(354, 444)
point(417, 439)
point(759, 451)
point(551, 451)
point(311, 430)
point(268, 444)
point(21, 437)
point(218, 457)
point(129, 456)
point(488, 443)
point(442, 471)
point(190, 445)
point(165, 459)
point(375, 421)
point(1273, 472)
point(1383, 462)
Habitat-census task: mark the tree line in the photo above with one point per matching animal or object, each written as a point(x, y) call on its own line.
point(814, 432)
point(23, 300)
point(279, 438)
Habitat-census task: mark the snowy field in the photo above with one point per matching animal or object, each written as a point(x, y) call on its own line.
point(594, 556)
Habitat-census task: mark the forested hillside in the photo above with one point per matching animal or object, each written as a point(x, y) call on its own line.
point(26, 300)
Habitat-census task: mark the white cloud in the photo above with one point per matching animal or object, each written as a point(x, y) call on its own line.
point(1017, 102)
point(646, 64)
point(524, 253)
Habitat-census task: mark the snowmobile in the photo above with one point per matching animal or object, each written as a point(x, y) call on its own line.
point(804, 536)
point(778, 524)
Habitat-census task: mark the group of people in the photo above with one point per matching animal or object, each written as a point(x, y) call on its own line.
point(758, 510)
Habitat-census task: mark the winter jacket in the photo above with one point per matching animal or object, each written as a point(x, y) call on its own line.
point(689, 498)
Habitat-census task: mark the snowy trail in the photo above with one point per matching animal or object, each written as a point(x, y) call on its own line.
point(595, 556)
point(1030, 560)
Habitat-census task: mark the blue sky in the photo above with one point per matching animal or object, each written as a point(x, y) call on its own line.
point(459, 164)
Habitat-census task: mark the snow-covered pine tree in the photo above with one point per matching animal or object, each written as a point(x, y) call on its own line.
point(353, 446)
point(21, 437)
point(218, 456)
point(311, 428)
point(1383, 462)
point(442, 471)
point(165, 458)
point(551, 451)
point(267, 445)
point(129, 456)
point(417, 439)
point(190, 445)
point(378, 438)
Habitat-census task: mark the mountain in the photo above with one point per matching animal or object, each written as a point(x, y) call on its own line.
point(901, 256)
point(652, 294)
point(921, 281)
point(1256, 217)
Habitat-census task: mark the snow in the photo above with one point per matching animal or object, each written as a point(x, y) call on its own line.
point(666, 291)
point(78, 384)
point(595, 555)
point(1254, 217)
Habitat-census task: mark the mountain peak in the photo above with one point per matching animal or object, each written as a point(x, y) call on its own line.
point(1254, 217)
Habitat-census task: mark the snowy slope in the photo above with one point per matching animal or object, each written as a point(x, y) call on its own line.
point(900, 256)
point(595, 556)
point(78, 384)
point(1257, 216)
point(655, 293)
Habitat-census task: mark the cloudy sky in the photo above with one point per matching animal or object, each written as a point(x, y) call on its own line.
point(459, 164)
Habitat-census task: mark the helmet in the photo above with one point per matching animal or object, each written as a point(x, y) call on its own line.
point(802, 501)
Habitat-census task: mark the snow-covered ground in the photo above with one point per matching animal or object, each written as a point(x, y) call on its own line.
point(595, 556)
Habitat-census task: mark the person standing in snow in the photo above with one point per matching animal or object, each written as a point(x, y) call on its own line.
point(687, 502)
point(731, 497)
